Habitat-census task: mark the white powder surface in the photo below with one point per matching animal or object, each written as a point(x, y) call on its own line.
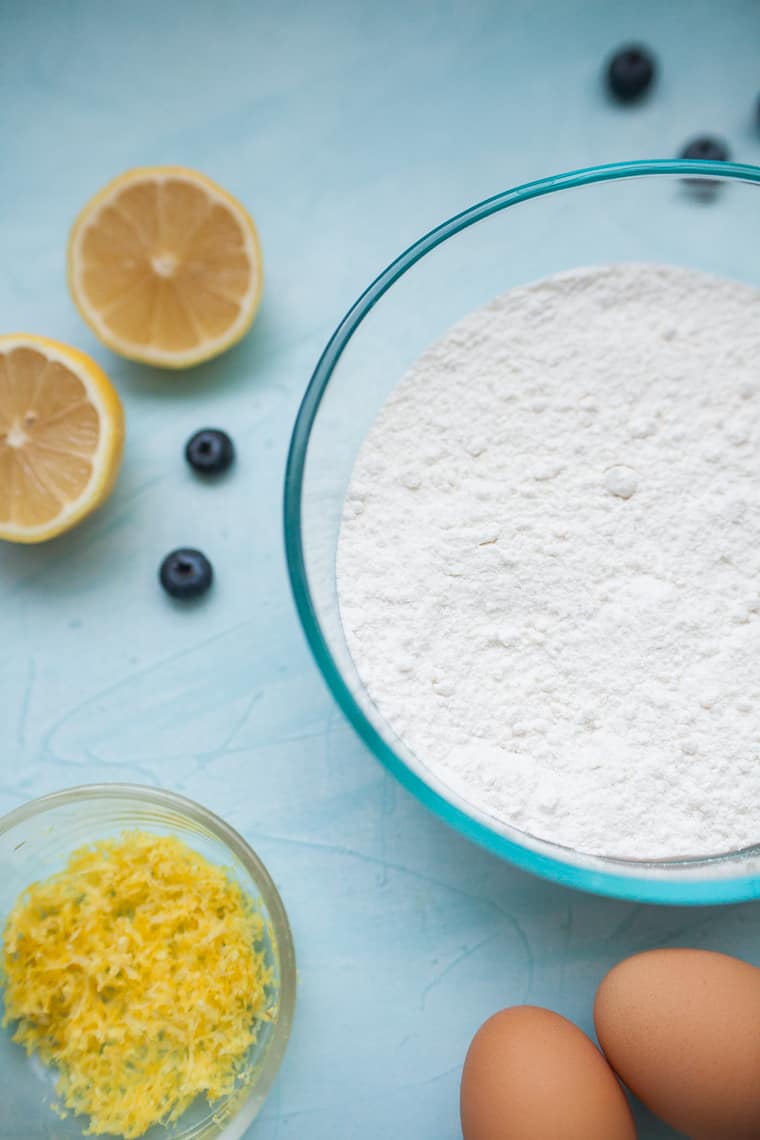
point(549, 561)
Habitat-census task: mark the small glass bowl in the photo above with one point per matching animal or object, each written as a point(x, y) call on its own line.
point(35, 842)
point(703, 215)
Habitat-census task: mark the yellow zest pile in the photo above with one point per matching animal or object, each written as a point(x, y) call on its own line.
point(135, 972)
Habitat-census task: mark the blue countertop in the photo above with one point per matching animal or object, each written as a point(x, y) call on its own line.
point(348, 128)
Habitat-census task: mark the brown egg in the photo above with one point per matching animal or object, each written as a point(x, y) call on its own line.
point(682, 1028)
point(530, 1074)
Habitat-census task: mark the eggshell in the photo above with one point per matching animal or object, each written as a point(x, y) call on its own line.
point(682, 1028)
point(530, 1074)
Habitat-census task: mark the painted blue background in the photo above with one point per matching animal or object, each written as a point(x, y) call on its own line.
point(348, 128)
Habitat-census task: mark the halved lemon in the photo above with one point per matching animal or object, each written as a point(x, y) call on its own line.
point(165, 266)
point(61, 437)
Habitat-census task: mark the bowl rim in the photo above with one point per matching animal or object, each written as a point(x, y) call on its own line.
point(248, 1107)
point(637, 887)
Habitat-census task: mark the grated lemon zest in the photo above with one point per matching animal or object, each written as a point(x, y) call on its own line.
point(135, 971)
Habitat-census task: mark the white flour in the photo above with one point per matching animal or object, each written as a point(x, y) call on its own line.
point(549, 563)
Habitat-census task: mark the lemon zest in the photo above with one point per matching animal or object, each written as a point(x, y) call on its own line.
point(138, 971)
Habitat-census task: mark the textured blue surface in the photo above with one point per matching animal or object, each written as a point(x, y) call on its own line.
point(348, 129)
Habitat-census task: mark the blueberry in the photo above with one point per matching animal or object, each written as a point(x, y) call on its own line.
point(630, 72)
point(707, 149)
point(186, 573)
point(210, 451)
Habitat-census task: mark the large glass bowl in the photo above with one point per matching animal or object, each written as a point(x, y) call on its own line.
point(35, 842)
point(696, 214)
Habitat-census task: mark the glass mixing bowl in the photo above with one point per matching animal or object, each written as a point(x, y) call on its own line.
point(695, 214)
point(35, 841)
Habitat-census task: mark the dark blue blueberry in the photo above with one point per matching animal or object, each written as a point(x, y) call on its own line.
point(210, 451)
point(630, 72)
point(707, 149)
point(186, 573)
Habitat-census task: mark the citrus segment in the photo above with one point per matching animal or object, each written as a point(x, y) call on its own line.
point(165, 266)
point(61, 437)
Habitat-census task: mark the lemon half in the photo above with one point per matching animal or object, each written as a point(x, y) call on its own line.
point(165, 266)
point(61, 437)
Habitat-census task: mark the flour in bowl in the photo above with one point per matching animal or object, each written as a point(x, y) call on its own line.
point(549, 561)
